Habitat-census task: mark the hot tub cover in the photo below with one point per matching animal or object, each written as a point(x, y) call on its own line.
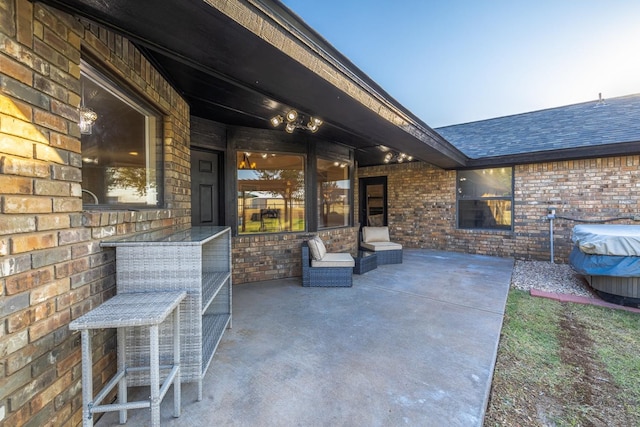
point(606, 239)
point(604, 265)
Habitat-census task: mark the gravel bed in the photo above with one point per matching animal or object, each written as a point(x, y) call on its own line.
point(548, 277)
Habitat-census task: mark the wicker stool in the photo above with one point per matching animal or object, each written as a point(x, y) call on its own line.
point(139, 309)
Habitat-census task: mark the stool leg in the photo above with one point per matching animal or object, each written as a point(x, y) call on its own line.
point(177, 390)
point(122, 366)
point(154, 375)
point(87, 379)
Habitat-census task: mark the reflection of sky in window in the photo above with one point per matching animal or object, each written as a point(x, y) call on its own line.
point(261, 195)
point(343, 183)
point(247, 174)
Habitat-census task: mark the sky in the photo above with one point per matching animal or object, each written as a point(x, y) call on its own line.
point(459, 61)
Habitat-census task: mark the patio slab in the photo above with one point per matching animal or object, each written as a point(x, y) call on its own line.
point(409, 344)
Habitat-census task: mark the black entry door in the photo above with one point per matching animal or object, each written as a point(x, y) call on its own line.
point(205, 188)
point(373, 201)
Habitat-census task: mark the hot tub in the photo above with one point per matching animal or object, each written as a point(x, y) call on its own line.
point(609, 258)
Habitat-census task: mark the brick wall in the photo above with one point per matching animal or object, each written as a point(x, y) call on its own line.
point(590, 189)
point(422, 205)
point(276, 256)
point(52, 269)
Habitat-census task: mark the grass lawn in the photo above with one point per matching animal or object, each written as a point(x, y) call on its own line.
point(562, 364)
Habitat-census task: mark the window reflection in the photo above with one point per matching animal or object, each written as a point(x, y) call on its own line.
point(270, 192)
point(121, 157)
point(485, 198)
point(334, 188)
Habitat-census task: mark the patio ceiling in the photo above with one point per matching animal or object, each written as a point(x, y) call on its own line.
point(230, 74)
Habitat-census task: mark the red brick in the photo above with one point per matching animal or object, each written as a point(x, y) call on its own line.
point(33, 241)
point(69, 362)
point(18, 417)
point(66, 173)
point(26, 204)
point(69, 268)
point(16, 185)
point(43, 310)
point(10, 224)
point(52, 222)
point(16, 70)
point(24, 167)
point(50, 121)
point(65, 110)
point(16, 108)
point(24, 21)
point(51, 188)
point(29, 280)
point(21, 128)
point(49, 291)
point(65, 142)
point(39, 329)
point(67, 204)
point(18, 321)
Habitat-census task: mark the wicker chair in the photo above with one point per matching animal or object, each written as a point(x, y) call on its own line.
point(376, 239)
point(325, 269)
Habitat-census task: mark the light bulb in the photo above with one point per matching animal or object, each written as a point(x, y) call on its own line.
point(275, 121)
point(292, 115)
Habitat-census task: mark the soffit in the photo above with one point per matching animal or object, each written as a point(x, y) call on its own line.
point(244, 74)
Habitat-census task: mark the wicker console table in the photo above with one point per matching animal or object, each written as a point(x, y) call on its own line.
point(196, 260)
point(142, 310)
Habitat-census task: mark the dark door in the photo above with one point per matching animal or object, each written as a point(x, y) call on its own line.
point(373, 201)
point(205, 188)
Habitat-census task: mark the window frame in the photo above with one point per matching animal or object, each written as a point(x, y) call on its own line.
point(305, 189)
point(349, 169)
point(154, 138)
point(462, 198)
point(260, 140)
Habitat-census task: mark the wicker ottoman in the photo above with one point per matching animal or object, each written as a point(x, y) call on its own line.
point(389, 257)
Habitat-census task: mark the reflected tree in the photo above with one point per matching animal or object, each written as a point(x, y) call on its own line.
point(290, 189)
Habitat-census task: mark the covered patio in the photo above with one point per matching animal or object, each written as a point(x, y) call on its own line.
point(408, 344)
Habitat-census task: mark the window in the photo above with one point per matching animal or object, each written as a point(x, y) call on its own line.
point(334, 193)
point(122, 151)
point(485, 198)
point(271, 196)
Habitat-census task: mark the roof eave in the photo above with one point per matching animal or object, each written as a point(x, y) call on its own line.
point(577, 153)
point(271, 61)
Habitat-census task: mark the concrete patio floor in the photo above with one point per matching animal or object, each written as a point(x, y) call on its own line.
point(409, 344)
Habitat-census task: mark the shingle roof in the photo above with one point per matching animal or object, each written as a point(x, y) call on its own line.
point(588, 124)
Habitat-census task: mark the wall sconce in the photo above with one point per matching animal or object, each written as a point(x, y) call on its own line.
point(295, 120)
point(87, 116)
point(392, 156)
point(245, 163)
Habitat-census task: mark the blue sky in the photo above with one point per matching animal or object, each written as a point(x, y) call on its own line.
point(456, 61)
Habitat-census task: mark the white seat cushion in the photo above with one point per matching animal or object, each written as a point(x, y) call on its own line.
point(334, 260)
point(375, 234)
point(381, 246)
